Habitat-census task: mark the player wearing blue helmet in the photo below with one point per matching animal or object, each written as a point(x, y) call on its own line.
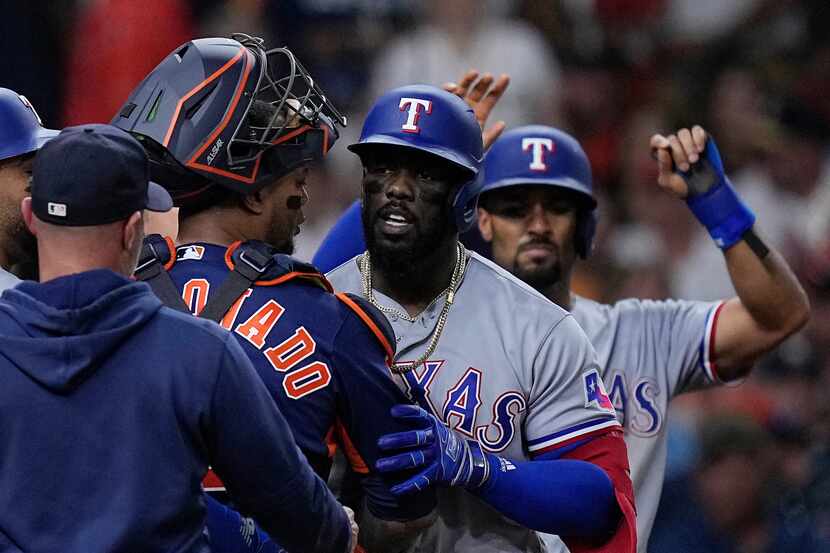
point(21, 136)
point(537, 210)
point(510, 403)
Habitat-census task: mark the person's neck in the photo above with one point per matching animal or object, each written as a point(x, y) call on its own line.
point(417, 286)
point(559, 293)
point(55, 266)
point(213, 226)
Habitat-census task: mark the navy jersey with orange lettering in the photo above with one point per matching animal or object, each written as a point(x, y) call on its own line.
point(323, 357)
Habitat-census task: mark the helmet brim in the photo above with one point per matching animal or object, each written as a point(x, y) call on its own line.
point(445, 154)
point(568, 183)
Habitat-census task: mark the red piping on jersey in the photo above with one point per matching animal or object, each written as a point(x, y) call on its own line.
point(390, 353)
point(196, 89)
point(350, 451)
point(712, 364)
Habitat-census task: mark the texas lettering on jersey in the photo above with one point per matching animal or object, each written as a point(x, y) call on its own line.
point(461, 405)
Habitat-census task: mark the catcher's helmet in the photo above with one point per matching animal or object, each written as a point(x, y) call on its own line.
point(227, 112)
point(432, 120)
point(541, 155)
point(21, 130)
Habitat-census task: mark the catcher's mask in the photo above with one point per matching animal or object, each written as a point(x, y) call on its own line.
point(227, 112)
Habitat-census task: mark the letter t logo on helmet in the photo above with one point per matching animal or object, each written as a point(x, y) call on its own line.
point(414, 104)
point(538, 145)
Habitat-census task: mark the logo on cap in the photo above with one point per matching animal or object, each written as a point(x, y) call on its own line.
point(58, 210)
point(413, 105)
point(538, 145)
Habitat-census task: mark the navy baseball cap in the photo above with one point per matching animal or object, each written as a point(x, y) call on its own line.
point(93, 175)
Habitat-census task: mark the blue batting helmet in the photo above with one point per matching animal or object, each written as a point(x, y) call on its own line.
point(431, 120)
point(539, 155)
point(21, 130)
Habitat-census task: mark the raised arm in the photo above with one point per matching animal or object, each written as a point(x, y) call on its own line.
point(771, 304)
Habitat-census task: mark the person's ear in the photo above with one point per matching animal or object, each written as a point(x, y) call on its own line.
point(485, 224)
point(28, 215)
point(255, 203)
point(133, 231)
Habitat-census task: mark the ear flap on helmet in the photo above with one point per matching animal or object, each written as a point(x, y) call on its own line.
point(586, 227)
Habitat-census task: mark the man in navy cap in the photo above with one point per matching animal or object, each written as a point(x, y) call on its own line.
point(108, 426)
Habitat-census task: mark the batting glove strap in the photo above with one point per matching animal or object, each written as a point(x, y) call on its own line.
point(714, 201)
point(480, 466)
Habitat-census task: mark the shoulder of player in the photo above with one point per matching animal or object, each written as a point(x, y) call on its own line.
point(345, 276)
point(505, 290)
point(201, 336)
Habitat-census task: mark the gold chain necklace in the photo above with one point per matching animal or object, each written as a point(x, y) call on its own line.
point(365, 266)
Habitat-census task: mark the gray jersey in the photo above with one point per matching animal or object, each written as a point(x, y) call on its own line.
point(511, 370)
point(7, 280)
point(649, 351)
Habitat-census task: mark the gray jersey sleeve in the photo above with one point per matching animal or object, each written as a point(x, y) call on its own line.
point(567, 401)
point(676, 337)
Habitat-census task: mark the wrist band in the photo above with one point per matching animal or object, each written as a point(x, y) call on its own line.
point(755, 244)
point(480, 468)
point(719, 208)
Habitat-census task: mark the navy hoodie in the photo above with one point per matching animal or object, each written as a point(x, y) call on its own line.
point(111, 409)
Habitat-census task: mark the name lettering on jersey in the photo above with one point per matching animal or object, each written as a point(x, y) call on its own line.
point(413, 106)
point(233, 311)
point(538, 146)
point(505, 410)
point(647, 419)
point(462, 403)
point(284, 357)
point(595, 393)
point(195, 293)
point(260, 324)
point(193, 253)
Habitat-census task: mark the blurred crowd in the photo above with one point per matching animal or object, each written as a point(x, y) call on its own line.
point(749, 465)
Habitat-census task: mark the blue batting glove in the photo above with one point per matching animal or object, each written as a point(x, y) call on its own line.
point(446, 459)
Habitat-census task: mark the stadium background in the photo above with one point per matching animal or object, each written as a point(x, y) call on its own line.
point(749, 466)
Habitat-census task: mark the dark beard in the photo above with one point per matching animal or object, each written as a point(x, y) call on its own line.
point(540, 279)
point(22, 245)
point(399, 263)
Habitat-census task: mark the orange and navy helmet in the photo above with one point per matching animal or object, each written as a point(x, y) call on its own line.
point(227, 112)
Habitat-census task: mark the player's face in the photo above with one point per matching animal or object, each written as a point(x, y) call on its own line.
point(14, 182)
point(531, 231)
point(284, 202)
point(406, 204)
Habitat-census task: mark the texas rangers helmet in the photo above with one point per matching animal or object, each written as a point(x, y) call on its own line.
point(21, 130)
point(539, 155)
point(228, 112)
point(431, 120)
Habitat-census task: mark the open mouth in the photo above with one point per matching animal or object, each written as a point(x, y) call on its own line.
point(394, 220)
